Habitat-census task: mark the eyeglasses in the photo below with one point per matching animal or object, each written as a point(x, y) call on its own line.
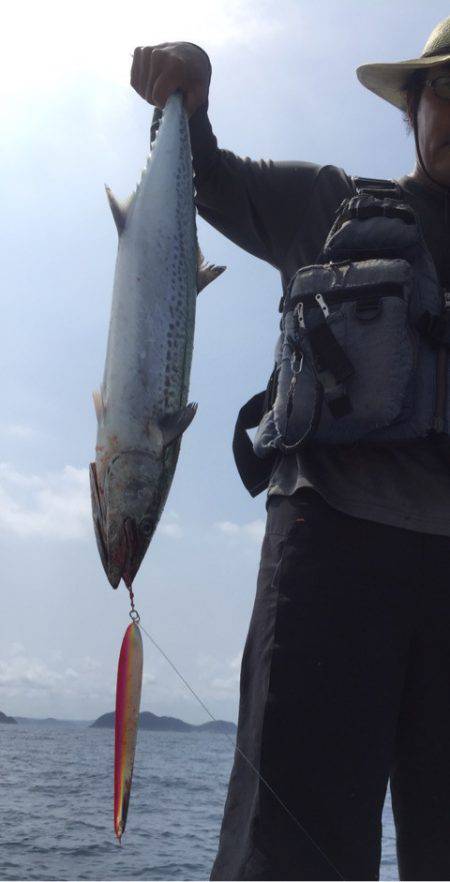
point(440, 86)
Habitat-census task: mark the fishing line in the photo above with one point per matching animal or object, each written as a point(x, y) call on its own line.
point(238, 749)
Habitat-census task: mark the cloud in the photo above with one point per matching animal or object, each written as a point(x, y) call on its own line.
point(55, 57)
point(229, 682)
point(33, 683)
point(55, 505)
point(169, 525)
point(148, 679)
point(19, 431)
point(87, 664)
point(171, 530)
point(32, 673)
point(219, 676)
point(253, 530)
point(227, 527)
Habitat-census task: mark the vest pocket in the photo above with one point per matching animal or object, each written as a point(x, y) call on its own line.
point(350, 356)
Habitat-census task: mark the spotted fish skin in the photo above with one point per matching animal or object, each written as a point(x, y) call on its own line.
point(128, 700)
point(141, 406)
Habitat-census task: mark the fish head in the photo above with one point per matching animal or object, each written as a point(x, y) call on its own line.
point(126, 513)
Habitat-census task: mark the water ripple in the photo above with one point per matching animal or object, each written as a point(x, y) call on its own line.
point(56, 806)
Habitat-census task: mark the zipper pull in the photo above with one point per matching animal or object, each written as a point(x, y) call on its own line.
point(300, 310)
point(322, 304)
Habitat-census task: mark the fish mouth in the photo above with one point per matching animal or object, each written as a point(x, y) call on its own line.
point(125, 560)
point(133, 558)
point(122, 538)
point(114, 558)
point(120, 555)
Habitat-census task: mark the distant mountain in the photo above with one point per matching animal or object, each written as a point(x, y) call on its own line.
point(218, 726)
point(147, 720)
point(150, 721)
point(5, 719)
point(50, 721)
point(106, 721)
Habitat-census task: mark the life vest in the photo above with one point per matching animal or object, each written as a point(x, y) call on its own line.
point(363, 349)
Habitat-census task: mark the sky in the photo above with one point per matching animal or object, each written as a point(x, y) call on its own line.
point(283, 87)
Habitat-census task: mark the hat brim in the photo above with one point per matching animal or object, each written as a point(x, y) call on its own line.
point(389, 81)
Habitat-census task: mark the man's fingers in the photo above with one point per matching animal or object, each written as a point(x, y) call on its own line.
point(134, 68)
point(163, 88)
point(158, 71)
point(148, 71)
point(165, 73)
point(143, 71)
point(193, 100)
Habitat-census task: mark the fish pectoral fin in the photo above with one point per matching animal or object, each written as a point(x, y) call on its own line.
point(174, 424)
point(206, 272)
point(99, 405)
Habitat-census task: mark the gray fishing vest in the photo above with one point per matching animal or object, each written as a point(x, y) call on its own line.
point(365, 332)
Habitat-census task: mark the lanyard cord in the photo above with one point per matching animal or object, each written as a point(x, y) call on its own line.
point(242, 754)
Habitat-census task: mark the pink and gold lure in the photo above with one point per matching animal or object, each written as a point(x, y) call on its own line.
point(128, 700)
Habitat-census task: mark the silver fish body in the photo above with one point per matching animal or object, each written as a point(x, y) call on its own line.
point(142, 407)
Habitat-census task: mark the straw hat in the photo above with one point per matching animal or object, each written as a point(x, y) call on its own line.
point(390, 80)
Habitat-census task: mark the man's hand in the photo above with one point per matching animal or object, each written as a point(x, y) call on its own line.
point(157, 71)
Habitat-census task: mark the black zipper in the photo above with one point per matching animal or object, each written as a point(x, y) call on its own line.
point(441, 377)
point(339, 295)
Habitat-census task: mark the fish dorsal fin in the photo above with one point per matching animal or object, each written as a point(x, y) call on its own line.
point(174, 424)
point(99, 405)
point(206, 272)
point(120, 210)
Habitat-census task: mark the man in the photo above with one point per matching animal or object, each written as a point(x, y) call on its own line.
point(346, 669)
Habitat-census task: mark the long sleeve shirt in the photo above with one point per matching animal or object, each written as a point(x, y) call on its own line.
point(281, 212)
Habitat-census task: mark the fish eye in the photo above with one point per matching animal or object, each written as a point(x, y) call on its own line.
point(146, 526)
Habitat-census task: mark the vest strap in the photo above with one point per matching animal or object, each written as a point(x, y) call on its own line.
point(254, 472)
point(379, 187)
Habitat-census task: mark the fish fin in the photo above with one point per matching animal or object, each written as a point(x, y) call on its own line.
point(120, 210)
point(174, 424)
point(99, 405)
point(206, 272)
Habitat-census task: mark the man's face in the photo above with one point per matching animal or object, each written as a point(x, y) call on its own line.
point(433, 118)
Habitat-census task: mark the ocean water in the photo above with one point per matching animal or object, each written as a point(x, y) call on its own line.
point(56, 817)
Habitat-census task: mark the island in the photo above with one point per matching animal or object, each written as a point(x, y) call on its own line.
point(50, 721)
point(152, 722)
point(5, 719)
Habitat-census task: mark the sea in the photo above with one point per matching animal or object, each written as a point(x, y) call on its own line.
point(56, 816)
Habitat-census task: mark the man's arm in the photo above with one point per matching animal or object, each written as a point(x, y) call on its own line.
point(258, 205)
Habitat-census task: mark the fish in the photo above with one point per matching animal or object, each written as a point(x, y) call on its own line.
point(142, 405)
point(128, 700)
